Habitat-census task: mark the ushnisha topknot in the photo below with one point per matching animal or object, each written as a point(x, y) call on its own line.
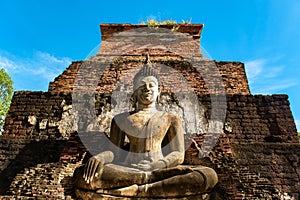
point(146, 70)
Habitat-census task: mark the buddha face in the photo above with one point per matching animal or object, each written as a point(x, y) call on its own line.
point(147, 90)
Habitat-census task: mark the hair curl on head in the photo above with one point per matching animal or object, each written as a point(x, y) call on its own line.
point(146, 70)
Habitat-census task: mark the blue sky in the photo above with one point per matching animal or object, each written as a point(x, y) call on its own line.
point(39, 39)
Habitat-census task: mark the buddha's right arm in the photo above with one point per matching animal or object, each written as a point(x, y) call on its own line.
point(117, 137)
point(95, 164)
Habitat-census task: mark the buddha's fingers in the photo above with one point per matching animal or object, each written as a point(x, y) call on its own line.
point(95, 167)
point(90, 170)
point(85, 172)
point(144, 166)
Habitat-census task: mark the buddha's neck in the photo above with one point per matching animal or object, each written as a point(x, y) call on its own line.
point(147, 108)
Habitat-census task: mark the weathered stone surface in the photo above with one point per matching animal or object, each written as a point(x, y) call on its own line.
point(93, 196)
point(146, 169)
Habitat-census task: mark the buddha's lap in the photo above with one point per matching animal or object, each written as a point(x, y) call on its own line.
point(117, 176)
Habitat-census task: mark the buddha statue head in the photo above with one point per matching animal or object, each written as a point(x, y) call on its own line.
point(146, 86)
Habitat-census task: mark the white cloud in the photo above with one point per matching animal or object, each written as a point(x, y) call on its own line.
point(40, 68)
point(273, 88)
point(254, 68)
point(7, 64)
point(266, 78)
point(274, 72)
point(298, 125)
point(51, 59)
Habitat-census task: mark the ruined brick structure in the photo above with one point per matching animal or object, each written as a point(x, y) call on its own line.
point(256, 155)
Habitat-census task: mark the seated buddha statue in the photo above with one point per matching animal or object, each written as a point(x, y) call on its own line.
point(151, 166)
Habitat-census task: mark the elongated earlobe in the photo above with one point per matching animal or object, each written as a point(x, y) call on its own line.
point(158, 99)
point(133, 101)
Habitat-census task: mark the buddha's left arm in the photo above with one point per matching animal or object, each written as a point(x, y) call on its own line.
point(175, 135)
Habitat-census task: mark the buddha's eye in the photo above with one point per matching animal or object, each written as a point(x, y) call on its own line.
point(142, 87)
point(151, 85)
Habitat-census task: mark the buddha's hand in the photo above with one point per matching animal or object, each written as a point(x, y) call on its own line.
point(147, 165)
point(92, 168)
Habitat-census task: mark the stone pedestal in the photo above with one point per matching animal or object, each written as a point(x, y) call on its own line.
point(88, 195)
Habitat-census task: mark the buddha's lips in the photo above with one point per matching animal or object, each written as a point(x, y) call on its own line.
point(149, 94)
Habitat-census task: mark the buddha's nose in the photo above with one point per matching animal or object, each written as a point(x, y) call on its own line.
point(147, 88)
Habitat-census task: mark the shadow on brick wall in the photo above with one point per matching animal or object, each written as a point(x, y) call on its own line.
point(30, 155)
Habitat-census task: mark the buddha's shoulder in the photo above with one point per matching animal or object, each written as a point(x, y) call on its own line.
point(170, 116)
point(126, 115)
point(121, 116)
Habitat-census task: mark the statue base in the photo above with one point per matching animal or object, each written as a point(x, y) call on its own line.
point(88, 195)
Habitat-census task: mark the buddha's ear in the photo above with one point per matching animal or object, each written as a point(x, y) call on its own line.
point(133, 100)
point(160, 89)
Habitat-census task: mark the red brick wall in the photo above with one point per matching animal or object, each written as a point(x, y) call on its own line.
point(178, 49)
point(231, 75)
point(107, 30)
point(26, 147)
point(65, 81)
point(256, 156)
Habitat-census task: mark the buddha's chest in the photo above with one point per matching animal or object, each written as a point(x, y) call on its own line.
point(143, 128)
